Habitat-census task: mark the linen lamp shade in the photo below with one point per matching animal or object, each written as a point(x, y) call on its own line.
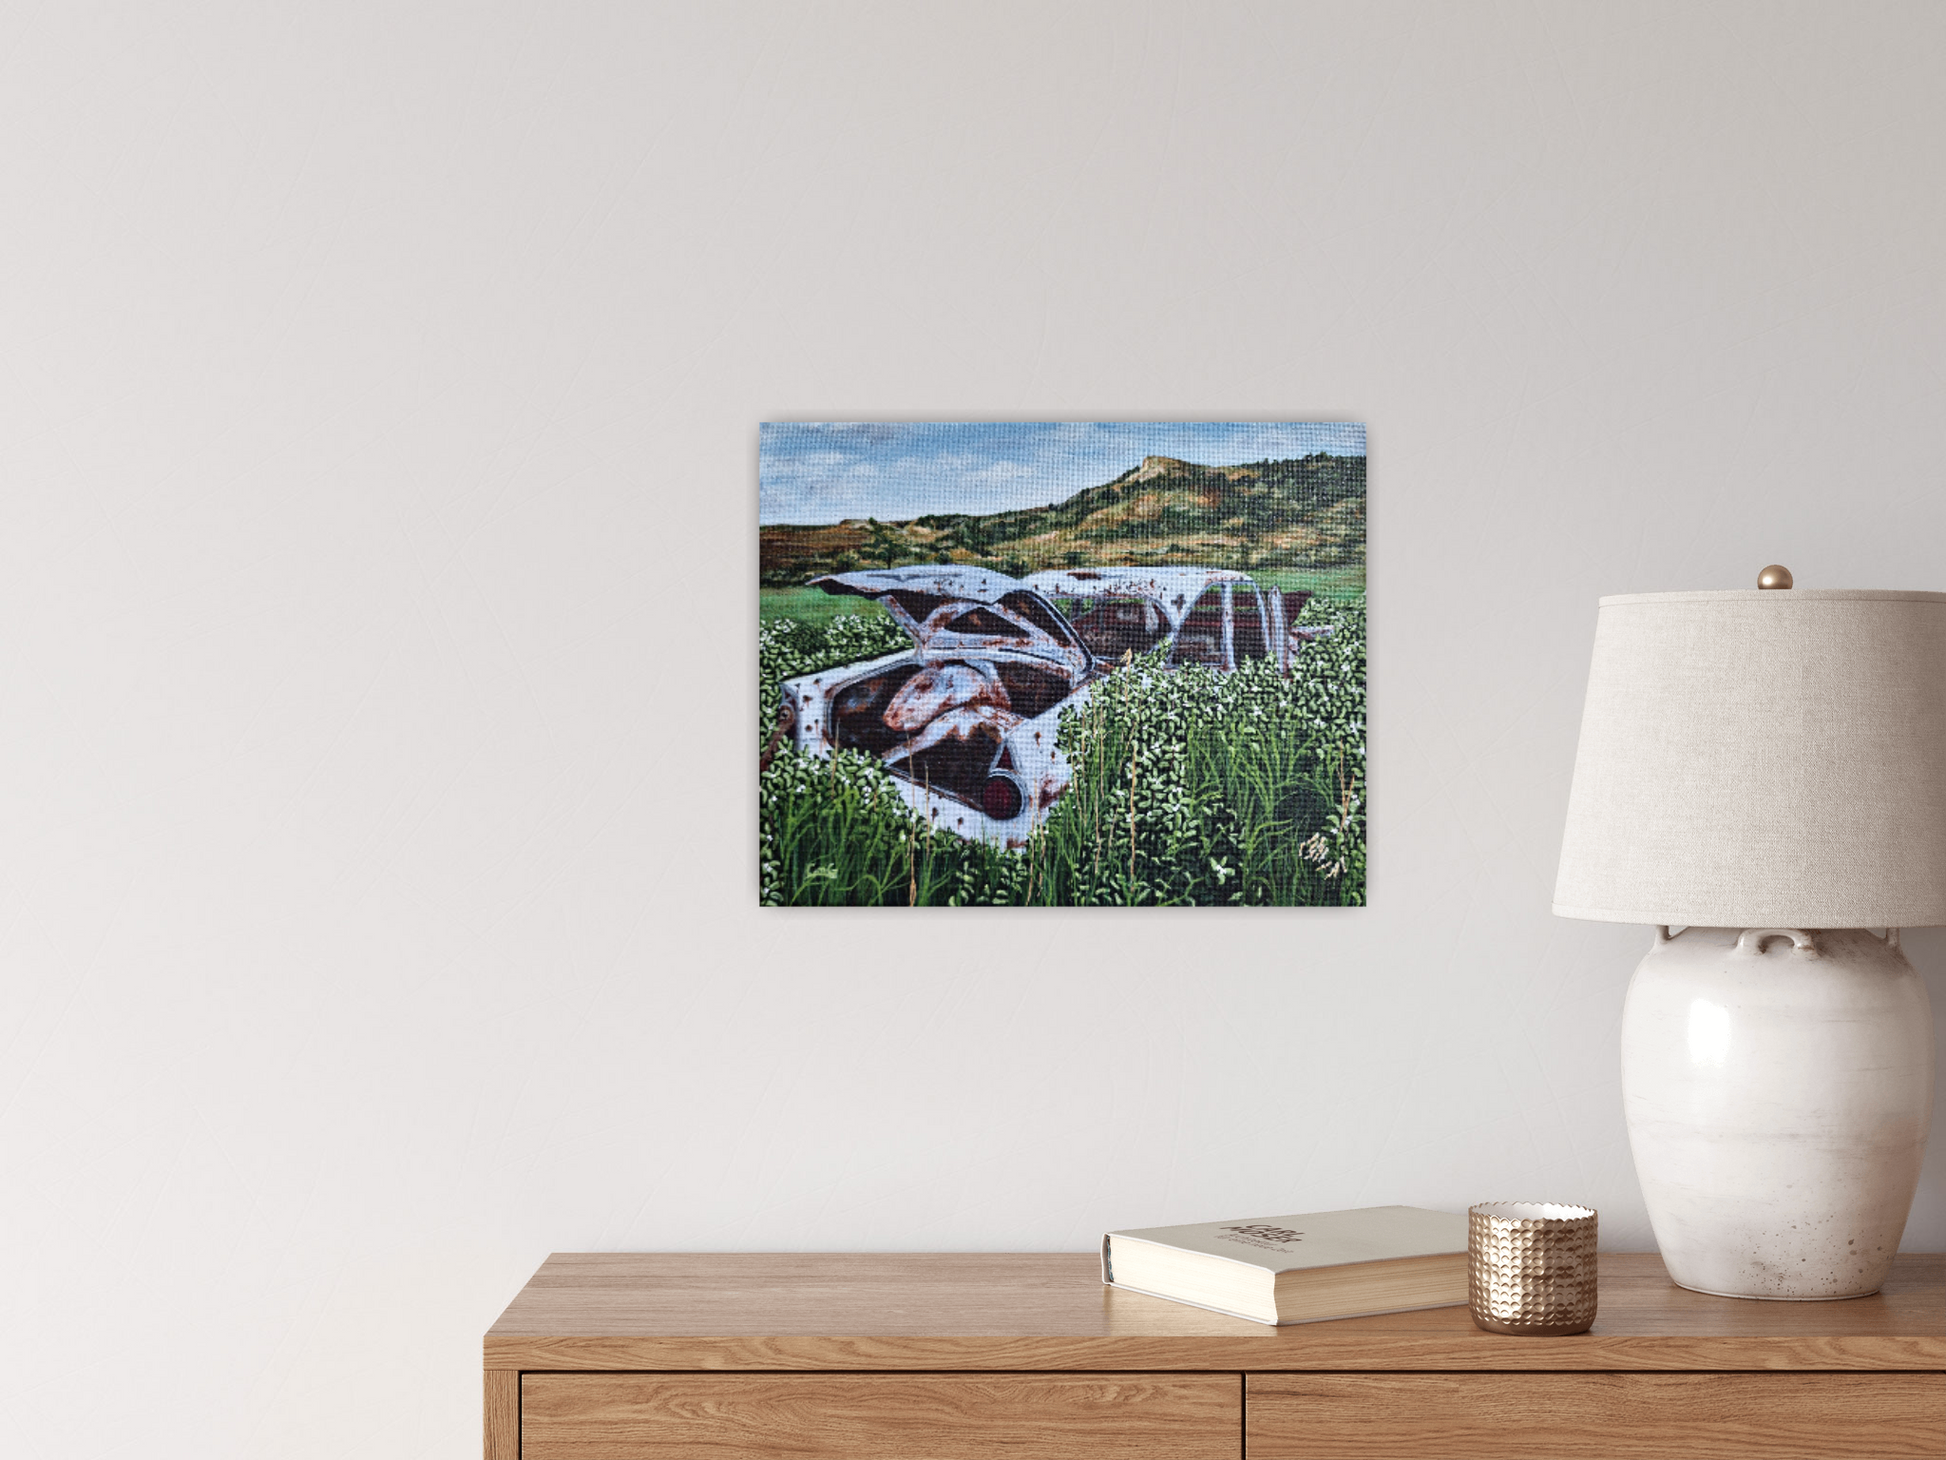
point(1762, 758)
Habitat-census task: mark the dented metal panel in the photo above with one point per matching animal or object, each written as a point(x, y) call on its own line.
point(1174, 590)
point(947, 580)
point(960, 628)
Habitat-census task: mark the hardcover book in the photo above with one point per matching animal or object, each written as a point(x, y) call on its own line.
point(1298, 1269)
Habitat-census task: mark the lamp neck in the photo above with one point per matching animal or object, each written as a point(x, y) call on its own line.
point(1755, 940)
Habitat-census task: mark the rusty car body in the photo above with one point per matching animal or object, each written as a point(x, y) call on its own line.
point(966, 719)
point(1215, 617)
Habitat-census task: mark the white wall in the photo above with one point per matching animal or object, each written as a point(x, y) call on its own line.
point(377, 507)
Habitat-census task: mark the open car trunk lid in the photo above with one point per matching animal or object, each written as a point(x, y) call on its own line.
point(952, 611)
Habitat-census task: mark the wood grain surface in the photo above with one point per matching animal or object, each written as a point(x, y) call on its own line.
point(881, 1416)
point(1029, 1311)
point(501, 1428)
point(1616, 1416)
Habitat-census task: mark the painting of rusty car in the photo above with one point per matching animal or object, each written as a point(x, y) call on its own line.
point(966, 719)
point(1061, 664)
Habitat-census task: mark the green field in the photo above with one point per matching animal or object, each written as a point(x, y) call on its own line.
point(811, 606)
point(1345, 582)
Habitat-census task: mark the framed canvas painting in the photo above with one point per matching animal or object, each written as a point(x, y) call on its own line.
point(1061, 663)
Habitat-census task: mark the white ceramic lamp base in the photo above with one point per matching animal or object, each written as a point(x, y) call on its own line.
point(1778, 1086)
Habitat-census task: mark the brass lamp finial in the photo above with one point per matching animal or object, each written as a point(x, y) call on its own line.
point(1775, 576)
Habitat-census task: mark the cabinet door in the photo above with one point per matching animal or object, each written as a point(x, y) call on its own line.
point(1775, 1416)
point(881, 1416)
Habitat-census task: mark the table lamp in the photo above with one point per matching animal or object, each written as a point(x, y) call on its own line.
point(1765, 771)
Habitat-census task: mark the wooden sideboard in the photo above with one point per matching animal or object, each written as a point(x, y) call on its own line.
point(628, 1356)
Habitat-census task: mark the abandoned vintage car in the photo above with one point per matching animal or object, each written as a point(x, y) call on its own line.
point(966, 719)
point(1215, 617)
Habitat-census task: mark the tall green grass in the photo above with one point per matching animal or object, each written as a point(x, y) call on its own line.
point(1191, 786)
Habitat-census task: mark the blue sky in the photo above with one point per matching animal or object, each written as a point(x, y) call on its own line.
point(824, 471)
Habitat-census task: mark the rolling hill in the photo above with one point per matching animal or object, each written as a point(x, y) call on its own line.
point(1307, 512)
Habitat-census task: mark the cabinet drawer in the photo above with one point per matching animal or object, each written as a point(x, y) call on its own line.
point(1777, 1416)
point(880, 1416)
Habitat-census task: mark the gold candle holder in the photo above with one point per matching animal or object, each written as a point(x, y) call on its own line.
point(1530, 1267)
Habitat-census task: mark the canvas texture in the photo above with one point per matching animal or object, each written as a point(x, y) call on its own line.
point(1062, 663)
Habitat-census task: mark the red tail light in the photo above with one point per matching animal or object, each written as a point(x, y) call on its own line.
point(1000, 798)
